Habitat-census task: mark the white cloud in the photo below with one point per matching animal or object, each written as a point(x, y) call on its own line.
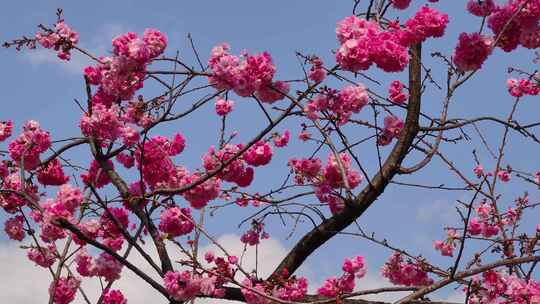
point(44, 56)
point(24, 283)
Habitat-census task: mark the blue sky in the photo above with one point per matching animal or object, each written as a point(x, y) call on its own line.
point(38, 86)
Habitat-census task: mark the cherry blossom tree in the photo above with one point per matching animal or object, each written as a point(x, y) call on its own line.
point(81, 221)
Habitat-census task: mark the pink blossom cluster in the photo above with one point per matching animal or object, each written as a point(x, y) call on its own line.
point(341, 105)
point(154, 160)
point(114, 296)
point(183, 286)
point(522, 87)
point(253, 236)
point(96, 175)
point(29, 145)
point(106, 125)
point(317, 73)
point(481, 8)
point(246, 74)
point(289, 289)
point(62, 39)
point(293, 289)
point(396, 94)
point(105, 266)
point(52, 174)
point(485, 222)
point(392, 129)
point(43, 256)
point(407, 273)
point(64, 289)
point(259, 154)
point(224, 106)
point(119, 76)
point(282, 140)
point(472, 50)
point(447, 247)
point(327, 178)
point(6, 128)
point(514, 23)
point(14, 228)
point(11, 201)
point(401, 4)
point(363, 42)
point(352, 268)
point(498, 287)
point(238, 171)
point(176, 221)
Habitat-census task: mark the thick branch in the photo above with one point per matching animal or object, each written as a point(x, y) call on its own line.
point(330, 227)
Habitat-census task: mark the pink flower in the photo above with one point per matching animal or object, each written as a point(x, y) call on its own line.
point(282, 140)
point(446, 248)
point(114, 297)
point(176, 221)
point(52, 174)
point(64, 289)
point(304, 136)
point(14, 228)
point(317, 72)
point(355, 266)
point(6, 127)
point(43, 256)
point(482, 8)
point(29, 145)
point(478, 171)
point(426, 23)
point(401, 4)
point(182, 286)
point(273, 92)
point(155, 41)
point(392, 129)
point(405, 273)
point(396, 94)
point(472, 50)
point(224, 107)
point(259, 154)
point(126, 160)
point(96, 175)
point(200, 195)
point(353, 27)
point(62, 39)
point(501, 19)
point(504, 175)
point(108, 267)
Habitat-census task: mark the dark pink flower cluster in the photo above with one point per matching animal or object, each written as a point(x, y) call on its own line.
point(405, 273)
point(29, 145)
point(154, 159)
point(260, 154)
point(481, 8)
point(43, 256)
point(14, 228)
point(392, 129)
point(176, 221)
point(237, 171)
point(447, 247)
point(472, 50)
point(522, 87)
point(96, 175)
point(281, 141)
point(317, 73)
point(11, 201)
point(52, 174)
point(106, 125)
point(340, 105)
point(401, 4)
point(6, 128)
point(253, 236)
point(105, 266)
point(293, 289)
point(183, 286)
point(119, 76)
point(64, 289)
point(352, 269)
point(114, 296)
point(62, 39)
point(396, 94)
point(245, 75)
point(514, 23)
point(224, 106)
point(485, 222)
point(498, 287)
point(363, 42)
